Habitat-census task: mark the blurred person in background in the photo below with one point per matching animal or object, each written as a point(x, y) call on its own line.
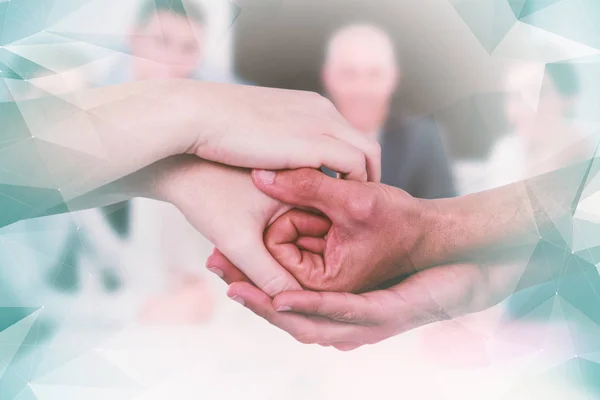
point(83, 267)
point(544, 135)
point(540, 108)
point(167, 41)
point(361, 75)
point(102, 268)
point(62, 266)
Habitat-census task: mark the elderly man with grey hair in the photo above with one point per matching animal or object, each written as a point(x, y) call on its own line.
point(361, 74)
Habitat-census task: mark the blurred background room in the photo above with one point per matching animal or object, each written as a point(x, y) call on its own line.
point(463, 95)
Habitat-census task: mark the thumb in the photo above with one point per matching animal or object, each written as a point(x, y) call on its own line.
point(297, 241)
point(255, 261)
point(306, 188)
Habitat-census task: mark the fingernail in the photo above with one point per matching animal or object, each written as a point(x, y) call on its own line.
point(238, 299)
point(217, 272)
point(264, 176)
point(283, 308)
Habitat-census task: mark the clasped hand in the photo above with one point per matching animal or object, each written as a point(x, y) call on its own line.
point(342, 240)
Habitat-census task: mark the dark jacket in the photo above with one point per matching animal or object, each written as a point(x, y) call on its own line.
point(414, 159)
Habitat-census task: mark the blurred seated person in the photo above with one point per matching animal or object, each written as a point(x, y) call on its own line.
point(86, 272)
point(167, 41)
point(48, 262)
point(91, 273)
point(544, 135)
point(361, 75)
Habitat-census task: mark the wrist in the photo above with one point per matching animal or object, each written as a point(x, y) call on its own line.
point(438, 232)
point(199, 114)
point(460, 229)
point(161, 181)
point(189, 116)
point(171, 178)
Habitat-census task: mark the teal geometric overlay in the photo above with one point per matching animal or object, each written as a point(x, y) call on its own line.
point(573, 19)
point(32, 360)
point(524, 8)
point(489, 20)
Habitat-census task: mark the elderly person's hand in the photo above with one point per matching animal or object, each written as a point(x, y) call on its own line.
point(365, 237)
point(347, 321)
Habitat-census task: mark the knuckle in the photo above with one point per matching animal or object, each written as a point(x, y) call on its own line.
point(375, 339)
point(325, 279)
point(363, 208)
point(306, 337)
point(360, 159)
point(326, 103)
point(346, 316)
point(314, 97)
point(264, 314)
point(331, 284)
point(306, 185)
point(356, 161)
point(318, 97)
point(321, 102)
point(346, 349)
point(313, 279)
point(375, 149)
point(277, 284)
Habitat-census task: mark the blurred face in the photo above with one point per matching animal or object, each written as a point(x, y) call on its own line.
point(361, 76)
point(521, 111)
point(167, 46)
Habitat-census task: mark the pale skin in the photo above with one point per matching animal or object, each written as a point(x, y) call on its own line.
point(442, 251)
point(138, 128)
point(360, 75)
point(168, 45)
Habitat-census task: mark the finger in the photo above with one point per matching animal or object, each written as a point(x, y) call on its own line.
point(295, 224)
point(306, 188)
point(341, 307)
point(261, 304)
point(305, 151)
point(348, 346)
point(304, 328)
point(255, 261)
point(313, 245)
point(340, 156)
point(289, 241)
point(218, 264)
point(369, 147)
point(252, 298)
point(426, 297)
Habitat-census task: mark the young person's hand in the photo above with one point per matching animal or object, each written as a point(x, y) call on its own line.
point(222, 203)
point(276, 129)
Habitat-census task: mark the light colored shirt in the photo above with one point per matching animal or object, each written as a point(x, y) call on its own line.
point(507, 163)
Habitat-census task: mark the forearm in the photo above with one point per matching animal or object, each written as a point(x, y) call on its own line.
point(500, 222)
point(67, 149)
